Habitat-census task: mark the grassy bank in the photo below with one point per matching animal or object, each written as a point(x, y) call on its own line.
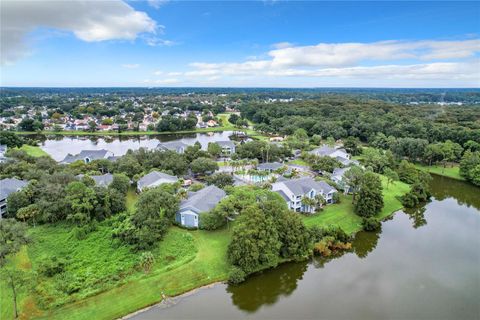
point(450, 171)
point(110, 284)
point(34, 151)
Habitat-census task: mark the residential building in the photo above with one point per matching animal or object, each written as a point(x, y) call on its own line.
point(88, 156)
point(340, 154)
point(154, 179)
point(294, 190)
point(198, 202)
point(3, 150)
point(338, 178)
point(228, 147)
point(8, 186)
point(100, 181)
point(270, 166)
point(177, 146)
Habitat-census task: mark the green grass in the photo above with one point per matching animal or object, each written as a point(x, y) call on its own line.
point(131, 199)
point(450, 171)
point(343, 216)
point(34, 151)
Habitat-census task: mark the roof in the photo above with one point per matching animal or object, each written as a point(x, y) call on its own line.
point(284, 196)
point(203, 200)
point(270, 166)
point(10, 185)
point(3, 148)
point(225, 143)
point(154, 177)
point(338, 172)
point(172, 145)
point(103, 180)
point(326, 150)
point(91, 154)
point(303, 185)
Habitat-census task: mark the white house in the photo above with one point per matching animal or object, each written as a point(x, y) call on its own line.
point(294, 190)
point(89, 155)
point(8, 186)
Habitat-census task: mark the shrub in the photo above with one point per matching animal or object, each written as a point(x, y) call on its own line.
point(370, 224)
point(236, 275)
point(81, 233)
point(211, 221)
point(51, 267)
point(146, 261)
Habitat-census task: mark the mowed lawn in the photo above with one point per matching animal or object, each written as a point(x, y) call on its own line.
point(450, 171)
point(342, 214)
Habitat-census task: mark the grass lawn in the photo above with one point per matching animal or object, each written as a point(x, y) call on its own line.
point(131, 199)
point(343, 216)
point(34, 151)
point(299, 162)
point(449, 171)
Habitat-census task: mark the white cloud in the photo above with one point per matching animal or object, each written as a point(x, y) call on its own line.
point(156, 3)
point(158, 72)
point(130, 66)
point(88, 20)
point(433, 61)
point(167, 81)
point(156, 41)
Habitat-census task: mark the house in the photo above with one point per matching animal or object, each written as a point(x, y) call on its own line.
point(211, 123)
point(269, 166)
point(203, 200)
point(294, 190)
point(154, 179)
point(337, 177)
point(340, 154)
point(8, 186)
point(100, 181)
point(88, 156)
point(177, 146)
point(228, 147)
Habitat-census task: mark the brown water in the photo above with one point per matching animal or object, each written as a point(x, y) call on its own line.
point(424, 264)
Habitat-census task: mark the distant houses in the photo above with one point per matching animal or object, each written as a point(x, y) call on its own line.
point(270, 166)
point(8, 186)
point(88, 156)
point(154, 179)
point(198, 202)
point(293, 191)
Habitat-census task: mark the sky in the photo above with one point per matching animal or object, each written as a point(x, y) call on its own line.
point(161, 43)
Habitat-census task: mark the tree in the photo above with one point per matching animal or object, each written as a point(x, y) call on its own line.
point(121, 183)
point(390, 175)
point(352, 145)
point(29, 213)
point(221, 180)
point(13, 235)
point(352, 178)
point(29, 124)
point(255, 241)
point(82, 202)
point(214, 149)
point(203, 166)
point(370, 199)
point(293, 236)
point(128, 165)
point(16, 201)
point(233, 118)
point(11, 140)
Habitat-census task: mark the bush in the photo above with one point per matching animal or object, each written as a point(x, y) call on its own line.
point(236, 275)
point(51, 267)
point(370, 224)
point(146, 261)
point(81, 233)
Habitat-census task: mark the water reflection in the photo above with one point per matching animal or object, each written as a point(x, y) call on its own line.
point(281, 281)
point(465, 193)
point(417, 215)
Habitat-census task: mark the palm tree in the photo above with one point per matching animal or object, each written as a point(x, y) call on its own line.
point(308, 202)
point(320, 201)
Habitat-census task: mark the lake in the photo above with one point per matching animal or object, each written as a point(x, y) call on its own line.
point(423, 264)
point(59, 146)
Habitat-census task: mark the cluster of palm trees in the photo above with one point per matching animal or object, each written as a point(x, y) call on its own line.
point(316, 202)
point(241, 165)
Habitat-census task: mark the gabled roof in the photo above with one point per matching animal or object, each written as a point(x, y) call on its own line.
point(338, 172)
point(326, 150)
point(154, 177)
point(91, 154)
point(203, 200)
point(103, 180)
point(226, 143)
point(304, 185)
point(10, 185)
point(270, 166)
point(172, 145)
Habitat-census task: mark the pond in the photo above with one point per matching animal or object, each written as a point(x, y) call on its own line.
point(59, 146)
point(423, 264)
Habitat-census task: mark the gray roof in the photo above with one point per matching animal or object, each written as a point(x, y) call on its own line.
point(103, 180)
point(270, 166)
point(155, 176)
point(10, 185)
point(303, 185)
point(172, 145)
point(326, 150)
point(203, 200)
point(284, 196)
point(3, 148)
point(91, 154)
point(338, 172)
point(226, 143)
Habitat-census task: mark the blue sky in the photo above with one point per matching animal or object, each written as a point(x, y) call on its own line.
point(232, 43)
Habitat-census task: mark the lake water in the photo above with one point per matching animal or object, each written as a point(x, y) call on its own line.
point(59, 146)
point(424, 264)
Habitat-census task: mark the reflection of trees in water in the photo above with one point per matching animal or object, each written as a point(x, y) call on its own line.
point(267, 287)
point(464, 192)
point(417, 214)
point(365, 242)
